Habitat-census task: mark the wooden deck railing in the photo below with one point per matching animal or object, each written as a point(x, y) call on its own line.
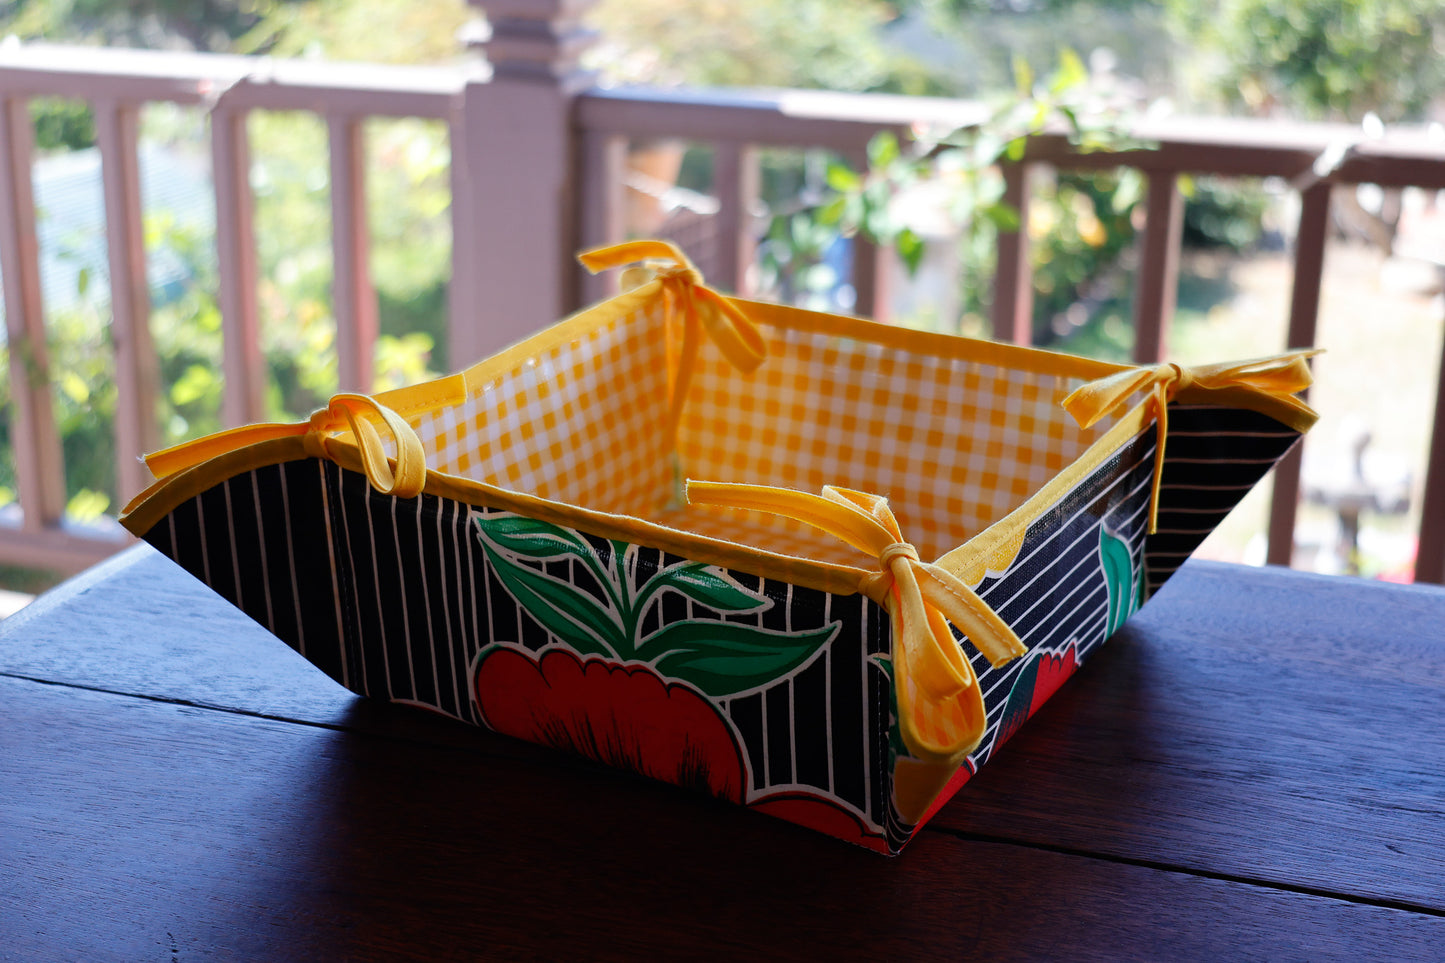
point(537, 172)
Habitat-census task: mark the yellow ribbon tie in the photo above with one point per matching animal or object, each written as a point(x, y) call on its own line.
point(1280, 376)
point(940, 706)
point(361, 415)
point(701, 308)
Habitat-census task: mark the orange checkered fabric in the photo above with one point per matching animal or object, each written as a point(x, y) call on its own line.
point(578, 424)
point(954, 444)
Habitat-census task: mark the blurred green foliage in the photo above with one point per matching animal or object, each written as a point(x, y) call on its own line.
point(408, 198)
point(829, 44)
point(1317, 58)
point(1325, 59)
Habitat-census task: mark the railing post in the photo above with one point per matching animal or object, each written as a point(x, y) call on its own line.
point(602, 204)
point(870, 263)
point(1013, 279)
point(1158, 284)
point(462, 295)
point(39, 464)
point(1430, 560)
point(521, 159)
point(243, 399)
point(353, 300)
point(137, 373)
point(735, 181)
point(1304, 309)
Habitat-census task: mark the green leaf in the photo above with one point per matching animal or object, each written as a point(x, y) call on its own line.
point(75, 387)
point(1130, 190)
point(1023, 76)
point(843, 178)
point(988, 147)
point(723, 658)
point(1014, 149)
point(896, 745)
point(1070, 74)
point(562, 609)
point(195, 384)
point(529, 537)
point(706, 586)
point(1003, 216)
point(1118, 577)
point(833, 211)
point(910, 248)
point(882, 150)
point(86, 505)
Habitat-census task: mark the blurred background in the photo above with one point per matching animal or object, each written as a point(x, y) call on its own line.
point(1371, 64)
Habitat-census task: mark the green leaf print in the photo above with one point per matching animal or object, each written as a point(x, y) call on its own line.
point(722, 658)
point(704, 586)
point(563, 610)
point(1118, 565)
point(531, 538)
point(717, 657)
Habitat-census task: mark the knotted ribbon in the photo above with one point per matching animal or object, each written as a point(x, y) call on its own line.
point(940, 707)
point(1279, 376)
point(697, 305)
point(363, 416)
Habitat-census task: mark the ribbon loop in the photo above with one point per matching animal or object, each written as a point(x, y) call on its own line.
point(940, 708)
point(689, 297)
point(361, 415)
point(1280, 376)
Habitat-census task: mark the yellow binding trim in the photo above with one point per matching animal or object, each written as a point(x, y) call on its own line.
point(940, 707)
point(359, 415)
point(1278, 377)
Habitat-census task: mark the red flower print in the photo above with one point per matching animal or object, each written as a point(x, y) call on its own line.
point(1039, 679)
point(620, 715)
point(1053, 669)
point(822, 814)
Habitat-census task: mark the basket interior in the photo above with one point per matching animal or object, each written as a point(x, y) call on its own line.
point(955, 444)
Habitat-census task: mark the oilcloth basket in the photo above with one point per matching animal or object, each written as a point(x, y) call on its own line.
point(903, 545)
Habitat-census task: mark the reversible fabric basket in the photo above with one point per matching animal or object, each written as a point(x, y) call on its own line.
point(904, 544)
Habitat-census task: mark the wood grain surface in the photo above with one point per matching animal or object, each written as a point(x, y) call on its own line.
point(1250, 770)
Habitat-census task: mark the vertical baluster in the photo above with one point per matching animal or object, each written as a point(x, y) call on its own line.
point(39, 465)
point(521, 159)
point(352, 297)
point(242, 363)
point(1013, 283)
point(1304, 308)
point(735, 181)
point(1158, 283)
point(870, 262)
point(1430, 562)
point(136, 367)
point(603, 203)
point(462, 295)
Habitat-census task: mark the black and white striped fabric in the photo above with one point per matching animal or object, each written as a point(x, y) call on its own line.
point(394, 598)
point(1215, 456)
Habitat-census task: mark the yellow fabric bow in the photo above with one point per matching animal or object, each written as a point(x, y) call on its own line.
point(1280, 376)
point(940, 707)
point(701, 307)
point(361, 415)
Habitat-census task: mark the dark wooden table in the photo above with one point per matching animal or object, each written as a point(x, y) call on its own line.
point(1251, 769)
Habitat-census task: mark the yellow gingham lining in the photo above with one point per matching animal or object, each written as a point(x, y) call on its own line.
point(578, 423)
point(954, 444)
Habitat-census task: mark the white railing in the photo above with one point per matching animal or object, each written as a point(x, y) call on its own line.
point(537, 172)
